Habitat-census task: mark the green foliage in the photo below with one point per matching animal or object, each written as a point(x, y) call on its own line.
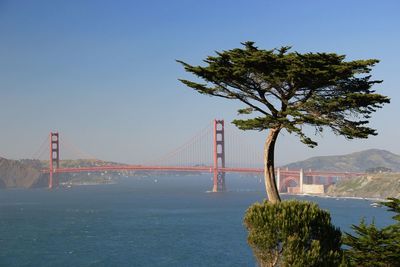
point(292, 233)
point(373, 247)
point(394, 206)
point(378, 169)
point(288, 89)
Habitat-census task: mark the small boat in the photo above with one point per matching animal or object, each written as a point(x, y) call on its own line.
point(375, 205)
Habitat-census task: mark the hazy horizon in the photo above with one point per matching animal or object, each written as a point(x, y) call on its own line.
point(103, 73)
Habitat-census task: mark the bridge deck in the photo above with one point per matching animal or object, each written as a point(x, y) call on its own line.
point(197, 169)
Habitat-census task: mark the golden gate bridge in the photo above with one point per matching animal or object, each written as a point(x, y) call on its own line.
point(211, 144)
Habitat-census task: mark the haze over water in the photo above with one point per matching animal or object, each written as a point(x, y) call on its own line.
point(144, 221)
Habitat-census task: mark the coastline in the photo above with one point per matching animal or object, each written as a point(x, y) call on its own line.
point(372, 199)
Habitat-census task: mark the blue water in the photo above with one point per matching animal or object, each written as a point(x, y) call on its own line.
point(148, 221)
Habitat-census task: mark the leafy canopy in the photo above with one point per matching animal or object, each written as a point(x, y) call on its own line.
point(288, 89)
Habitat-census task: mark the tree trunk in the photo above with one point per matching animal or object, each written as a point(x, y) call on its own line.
point(269, 166)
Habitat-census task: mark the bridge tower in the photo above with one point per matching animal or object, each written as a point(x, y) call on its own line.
point(54, 162)
point(219, 156)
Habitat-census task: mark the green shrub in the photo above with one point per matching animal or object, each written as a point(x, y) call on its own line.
point(292, 233)
point(373, 247)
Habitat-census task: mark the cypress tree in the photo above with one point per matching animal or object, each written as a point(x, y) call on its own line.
point(373, 247)
point(286, 90)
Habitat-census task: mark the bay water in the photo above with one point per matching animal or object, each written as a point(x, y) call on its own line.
point(155, 220)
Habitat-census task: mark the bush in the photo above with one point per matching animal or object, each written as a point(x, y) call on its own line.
point(292, 233)
point(373, 247)
point(378, 170)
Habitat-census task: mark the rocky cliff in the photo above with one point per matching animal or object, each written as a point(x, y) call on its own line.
point(378, 185)
point(14, 173)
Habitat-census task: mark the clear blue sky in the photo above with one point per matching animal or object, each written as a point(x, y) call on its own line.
point(104, 74)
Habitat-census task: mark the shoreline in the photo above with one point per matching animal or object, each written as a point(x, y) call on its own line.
point(372, 199)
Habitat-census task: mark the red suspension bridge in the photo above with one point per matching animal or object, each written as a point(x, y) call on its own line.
point(206, 152)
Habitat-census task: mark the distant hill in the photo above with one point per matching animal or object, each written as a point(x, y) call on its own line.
point(354, 162)
point(14, 173)
point(26, 173)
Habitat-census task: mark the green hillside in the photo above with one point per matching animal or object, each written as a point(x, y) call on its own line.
point(380, 185)
point(354, 162)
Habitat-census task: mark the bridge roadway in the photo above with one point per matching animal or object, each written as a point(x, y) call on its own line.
point(197, 168)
